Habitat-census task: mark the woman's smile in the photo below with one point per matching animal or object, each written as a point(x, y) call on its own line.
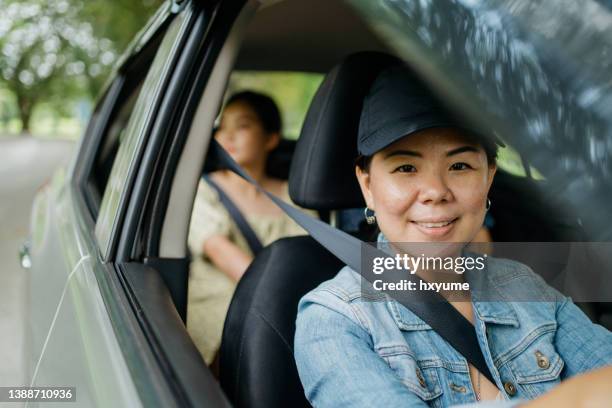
point(436, 228)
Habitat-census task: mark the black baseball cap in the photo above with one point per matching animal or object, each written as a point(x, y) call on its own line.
point(397, 105)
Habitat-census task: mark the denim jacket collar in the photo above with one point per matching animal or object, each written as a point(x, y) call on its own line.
point(404, 318)
point(498, 312)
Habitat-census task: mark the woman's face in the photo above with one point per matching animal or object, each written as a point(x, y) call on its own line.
point(243, 136)
point(430, 186)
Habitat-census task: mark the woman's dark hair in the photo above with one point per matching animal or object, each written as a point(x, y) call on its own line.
point(489, 146)
point(264, 107)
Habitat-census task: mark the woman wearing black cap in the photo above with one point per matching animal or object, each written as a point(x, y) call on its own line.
point(425, 179)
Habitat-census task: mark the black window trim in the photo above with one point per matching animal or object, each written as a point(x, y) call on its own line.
point(142, 241)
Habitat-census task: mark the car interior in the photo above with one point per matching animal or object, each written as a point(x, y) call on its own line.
point(256, 365)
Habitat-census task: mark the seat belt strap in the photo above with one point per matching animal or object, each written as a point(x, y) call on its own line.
point(430, 307)
point(241, 222)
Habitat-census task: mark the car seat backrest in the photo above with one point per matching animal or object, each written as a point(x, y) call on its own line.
point(322, 173)
point(257, 368)
point(256, 363)
point(279, 159)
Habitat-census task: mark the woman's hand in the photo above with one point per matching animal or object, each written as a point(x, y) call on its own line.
point(588, 390)
point(227, 256)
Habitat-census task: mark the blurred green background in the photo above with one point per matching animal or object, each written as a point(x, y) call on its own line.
point(57, 55)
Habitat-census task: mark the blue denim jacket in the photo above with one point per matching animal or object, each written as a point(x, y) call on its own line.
point(359, 349)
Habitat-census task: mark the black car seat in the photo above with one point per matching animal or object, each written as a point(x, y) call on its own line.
point(257, 368)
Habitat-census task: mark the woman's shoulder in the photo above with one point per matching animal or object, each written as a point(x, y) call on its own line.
point(344, 286)
point(206, 192)
point(332, 302)
point(517, 281)
point(207, 204)
point(339, 292)
point(334, 293)
point(278, 187)
point(507, 268)
point(208, 218)
point(502, 269)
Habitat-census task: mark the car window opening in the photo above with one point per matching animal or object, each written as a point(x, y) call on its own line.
point(292, 92)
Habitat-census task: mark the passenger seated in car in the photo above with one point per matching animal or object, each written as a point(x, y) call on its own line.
point(427, 180)
point(250, 128)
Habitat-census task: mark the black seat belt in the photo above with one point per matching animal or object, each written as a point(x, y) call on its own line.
point(236, 215)
point(430, 307)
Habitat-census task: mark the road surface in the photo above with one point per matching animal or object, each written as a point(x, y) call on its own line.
point(25, 163)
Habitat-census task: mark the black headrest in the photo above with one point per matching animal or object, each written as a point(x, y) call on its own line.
point(322, 173)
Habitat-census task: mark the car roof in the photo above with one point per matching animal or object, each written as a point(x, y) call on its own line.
point(325, 33)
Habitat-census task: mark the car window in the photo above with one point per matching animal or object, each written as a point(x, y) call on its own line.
point(131, 134)
point(293, 92)
point(110, 142)
point(510, 160)
point(506, 71)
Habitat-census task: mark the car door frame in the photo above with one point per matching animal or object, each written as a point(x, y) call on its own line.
point(150, 365)
point(150, 281)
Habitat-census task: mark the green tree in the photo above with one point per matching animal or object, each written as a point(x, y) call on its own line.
point(117, 21)
point(63, 49)
point(44, 42)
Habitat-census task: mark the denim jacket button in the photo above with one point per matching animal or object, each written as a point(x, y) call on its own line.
point(510, 388)
point(458, 388)
point(420, 378)
point(543, 361)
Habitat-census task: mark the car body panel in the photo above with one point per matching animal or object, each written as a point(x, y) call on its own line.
point(52, 260)
point(72, 339)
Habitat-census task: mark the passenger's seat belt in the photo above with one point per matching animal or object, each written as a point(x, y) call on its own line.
point(236, 215)
point(430, 307)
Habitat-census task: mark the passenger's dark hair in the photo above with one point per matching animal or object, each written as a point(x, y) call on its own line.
point(489, 146)
point(264, 107)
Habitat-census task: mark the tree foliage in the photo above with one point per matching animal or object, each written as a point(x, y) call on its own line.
point(56, 51)
point(117, 21)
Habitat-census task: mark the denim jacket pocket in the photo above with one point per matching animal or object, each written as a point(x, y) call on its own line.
point(538, 367)
point(420, 377)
